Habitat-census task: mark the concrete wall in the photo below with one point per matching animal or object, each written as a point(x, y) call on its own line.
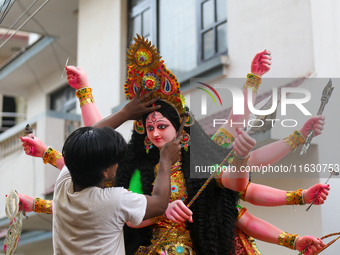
point(102, 34)
point(284, 27)
point(326, 40)
point(1, 102)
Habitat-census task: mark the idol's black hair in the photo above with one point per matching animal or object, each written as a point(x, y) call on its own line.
point(214, 212)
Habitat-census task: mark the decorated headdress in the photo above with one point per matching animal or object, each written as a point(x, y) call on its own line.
point(145, 68)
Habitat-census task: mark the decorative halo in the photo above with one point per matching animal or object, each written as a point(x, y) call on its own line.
point(150, 82)
point(147, 70)
point(142, 56)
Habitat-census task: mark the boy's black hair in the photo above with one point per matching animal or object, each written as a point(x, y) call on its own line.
point(89, 151)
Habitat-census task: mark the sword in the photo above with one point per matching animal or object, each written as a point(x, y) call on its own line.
point(326, 94)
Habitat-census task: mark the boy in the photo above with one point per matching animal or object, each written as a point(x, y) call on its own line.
point(88, 218)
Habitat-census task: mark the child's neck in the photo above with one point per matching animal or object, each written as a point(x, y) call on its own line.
point(77, 188)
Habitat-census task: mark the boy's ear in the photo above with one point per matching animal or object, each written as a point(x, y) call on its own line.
point(105, 174)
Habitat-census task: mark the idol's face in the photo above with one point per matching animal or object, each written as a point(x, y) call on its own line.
point(159, 129)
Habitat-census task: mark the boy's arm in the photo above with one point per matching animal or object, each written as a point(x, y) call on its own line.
point(158, 202)
point(133, 110)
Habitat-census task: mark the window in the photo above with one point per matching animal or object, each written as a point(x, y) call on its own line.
point(177, 35)
point(143, 19)
point(212, 31)
point(8, 114)
point(188, 33)
point(64, 100)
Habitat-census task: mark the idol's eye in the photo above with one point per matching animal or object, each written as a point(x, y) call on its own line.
point(150, 128)
point(162, 126)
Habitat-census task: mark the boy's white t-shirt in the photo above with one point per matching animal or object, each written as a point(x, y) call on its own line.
point(91, 221)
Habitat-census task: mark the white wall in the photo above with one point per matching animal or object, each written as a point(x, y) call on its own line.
point(283, 27)
point(326, 37)
point(38, 95)
point(102, 34)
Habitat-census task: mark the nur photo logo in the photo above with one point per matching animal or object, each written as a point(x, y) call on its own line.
point(204, 98)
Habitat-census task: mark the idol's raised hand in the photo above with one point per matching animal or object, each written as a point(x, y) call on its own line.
point(261, 62)
point(76, 77)
point(33, 147)
point(316, 123)
point(320, 190)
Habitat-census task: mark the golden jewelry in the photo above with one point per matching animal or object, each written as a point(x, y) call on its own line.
point(42, 206)
point(241, 210)
point(154, 220)
point(295, 139)
point(50, 156)
point(253, 81)
point(287, 240)
point(242, 195)
point(223, 138)
point(295, 197)
point(85, 96)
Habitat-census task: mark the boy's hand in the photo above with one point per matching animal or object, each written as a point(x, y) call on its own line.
point(137, 107)
point(243, 143)
point(76, 77)
point(171, 151)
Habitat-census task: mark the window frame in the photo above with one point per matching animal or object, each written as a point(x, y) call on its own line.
point(138, 10)
point(201, 31)
point(69, 105)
